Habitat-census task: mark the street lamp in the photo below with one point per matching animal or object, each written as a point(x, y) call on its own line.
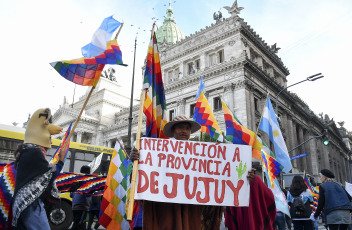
point(311, 78)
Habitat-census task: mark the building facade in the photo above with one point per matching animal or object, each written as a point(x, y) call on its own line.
point(238, 67)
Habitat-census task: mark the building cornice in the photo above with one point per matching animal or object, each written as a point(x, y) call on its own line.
point(199, 36)
point(250, 34)
point(208, 72)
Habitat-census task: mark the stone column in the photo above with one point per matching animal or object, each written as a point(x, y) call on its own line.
point(294, 143)
point(228, 96)
point(79, 137)
point(182, 70)
point(202, 61)
point(303, 160)
point(99, 137)
point(325, 157)
point(251, 115)
point(181, 106)
point(312, 154)
point(343, 162)
point(308, 159)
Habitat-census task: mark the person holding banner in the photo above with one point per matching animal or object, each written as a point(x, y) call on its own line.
point(35, 178)
point(335, 201)
point(162, 215)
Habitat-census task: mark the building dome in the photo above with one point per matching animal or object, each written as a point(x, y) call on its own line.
point(169, 31)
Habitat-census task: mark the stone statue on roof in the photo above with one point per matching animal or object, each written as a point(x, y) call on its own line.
point(234, 10)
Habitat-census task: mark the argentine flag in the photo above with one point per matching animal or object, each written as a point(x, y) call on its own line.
point(270, 125)
point(101, 38)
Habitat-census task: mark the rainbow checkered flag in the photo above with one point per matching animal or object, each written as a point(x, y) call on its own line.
point(87, 71)
point(7, 188)
point(113, 209)
point(55, 158)
point(238, 134)
point(154, 103)
point(203, 114)
point(274, 168)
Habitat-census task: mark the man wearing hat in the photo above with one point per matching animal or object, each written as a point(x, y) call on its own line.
point(161, 216)
point(335, 200)
point(35, 177)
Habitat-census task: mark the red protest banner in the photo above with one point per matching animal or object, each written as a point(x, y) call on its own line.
point(192, 172)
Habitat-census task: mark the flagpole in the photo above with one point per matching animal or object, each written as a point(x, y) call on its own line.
point(117, 34)
point(85, 103)
point(79, 117)
point(135, 163)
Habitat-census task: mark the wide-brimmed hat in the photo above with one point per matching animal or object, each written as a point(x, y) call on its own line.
point(195, 126)
point(327, 173)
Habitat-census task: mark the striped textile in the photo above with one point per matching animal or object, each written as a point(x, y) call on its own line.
point(89, 183)
point(203, 114)
point(87, 71)
point(55, 158)
point(7, 188)
point(315, 193)
point(238, 134)
point(113, 209)
point(274, 168)
point(155, 103)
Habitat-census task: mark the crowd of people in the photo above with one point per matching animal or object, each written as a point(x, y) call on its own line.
point(334, 206)
point(35, 187)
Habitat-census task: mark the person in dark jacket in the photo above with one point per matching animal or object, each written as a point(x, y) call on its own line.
point(80, 205)
point(35, 178)
point(298, 190)
point(335, 201)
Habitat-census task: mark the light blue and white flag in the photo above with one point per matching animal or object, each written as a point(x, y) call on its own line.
point(101, 38)
point(200, 87)
point(280, 199)
point(270, 125)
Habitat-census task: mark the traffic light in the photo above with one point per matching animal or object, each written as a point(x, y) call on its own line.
point(325, 136)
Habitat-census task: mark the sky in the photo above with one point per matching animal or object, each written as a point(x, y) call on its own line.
point(313, 36)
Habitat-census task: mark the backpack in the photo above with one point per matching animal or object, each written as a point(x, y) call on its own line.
point(299, 209)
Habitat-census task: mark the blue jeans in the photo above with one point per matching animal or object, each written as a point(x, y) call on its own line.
point(280, 221)
point(34, 217)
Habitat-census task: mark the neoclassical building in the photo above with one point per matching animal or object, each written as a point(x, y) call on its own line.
point(239, 68)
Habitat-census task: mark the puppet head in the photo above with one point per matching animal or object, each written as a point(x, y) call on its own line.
point(40, 129)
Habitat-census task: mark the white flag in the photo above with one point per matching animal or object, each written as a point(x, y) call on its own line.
point(94, 165)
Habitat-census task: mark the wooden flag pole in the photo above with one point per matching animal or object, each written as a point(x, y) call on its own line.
point(135, 163)
point(138, 138)
point(117, 34)
point(79, 117)
point(85, 103)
